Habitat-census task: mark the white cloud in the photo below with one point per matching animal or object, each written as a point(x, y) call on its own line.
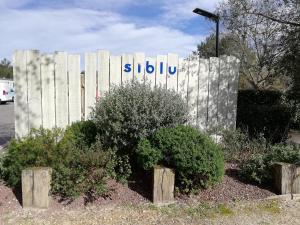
point(81, 30)
point(180, 10)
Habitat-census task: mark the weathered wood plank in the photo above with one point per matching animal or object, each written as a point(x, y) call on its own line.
point(212, 121)
point(150, 72)
point(115, 71)
point(183, 78)
point(90, 82)
point(203, 93)
point(103, 72)
point(20, 104)
point(233, 83)
point(172, 72)
point(139, 67)
point(193, 90)
point(74, 88)
point(161, 75)
point(61, 89)
point(223, 92)
point(127, 76)
point(163, 186)
point(34, 89)
point(48, 91)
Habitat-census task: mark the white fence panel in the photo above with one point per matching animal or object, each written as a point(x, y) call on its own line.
point(172, 71)
point(115, 70)
point(183, 77)
point(150, 70)
point(161, 75)
point(61, 89)
point(233, 83)
point(103, 72)
point(90, 82)
point(212, 120)
point(48, 91)
point(127, 70)
point(223, 92)
point(203, 93)
point(193, 91)
point(74, 88)
point(34, 89)
point(139, 67)
point(21, 106)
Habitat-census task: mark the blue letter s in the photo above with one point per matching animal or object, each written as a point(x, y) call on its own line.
point(127, 68)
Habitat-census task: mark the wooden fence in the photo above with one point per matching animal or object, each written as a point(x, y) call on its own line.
point(49, 92)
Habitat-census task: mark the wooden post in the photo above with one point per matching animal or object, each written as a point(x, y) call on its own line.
point(36, 182)
point(163, 185)
point(287, 178)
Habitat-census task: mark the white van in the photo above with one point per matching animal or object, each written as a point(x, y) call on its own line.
point(7, 91)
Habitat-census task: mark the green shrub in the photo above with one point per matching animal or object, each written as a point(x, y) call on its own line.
point(197, 160)
point(75, 170)
point(134, 111)
point(238, 147)
point(259, 167)
point(84, 132)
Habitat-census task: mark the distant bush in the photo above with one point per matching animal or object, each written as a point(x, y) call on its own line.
point(238, 147)
point(262, 112)
point(134, 111)
point(259, 167)
point(75, 170)
point(197, 160)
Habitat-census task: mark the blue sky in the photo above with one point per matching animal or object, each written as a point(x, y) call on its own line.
point(120, 26)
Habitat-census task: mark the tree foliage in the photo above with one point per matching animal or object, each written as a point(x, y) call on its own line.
point(6, 69)
point(262, 26)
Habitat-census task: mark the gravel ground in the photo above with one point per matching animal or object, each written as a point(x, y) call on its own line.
point(244, 213)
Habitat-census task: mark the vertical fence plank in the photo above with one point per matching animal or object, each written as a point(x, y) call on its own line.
point(223, 92)
point(150, 70)
point(115, 70)
point(161, 75)
point(212, 119)
point(139, 67)
point(183, 77)
point(233, 83)
point(34, 89)
point(74, 88)
point(127, 68)
point(172, 71)
point(61, 89)
point(20, 104)
point(103, 72)
point(90, 82)
point(203, 93)
point(48, 91)
point(193, 90)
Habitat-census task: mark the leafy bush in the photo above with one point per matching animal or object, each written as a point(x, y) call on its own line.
point(263, 112)
point(84, 132)
point(134, 111)
point(238, 147)
point(197, 160)
point(258, 168)
point(75, 170)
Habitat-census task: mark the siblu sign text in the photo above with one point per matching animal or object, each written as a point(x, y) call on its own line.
point(150, 68)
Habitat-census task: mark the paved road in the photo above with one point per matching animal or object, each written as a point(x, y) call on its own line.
point(7, 127)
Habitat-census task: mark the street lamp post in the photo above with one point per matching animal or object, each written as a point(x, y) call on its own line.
point(214, 18)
